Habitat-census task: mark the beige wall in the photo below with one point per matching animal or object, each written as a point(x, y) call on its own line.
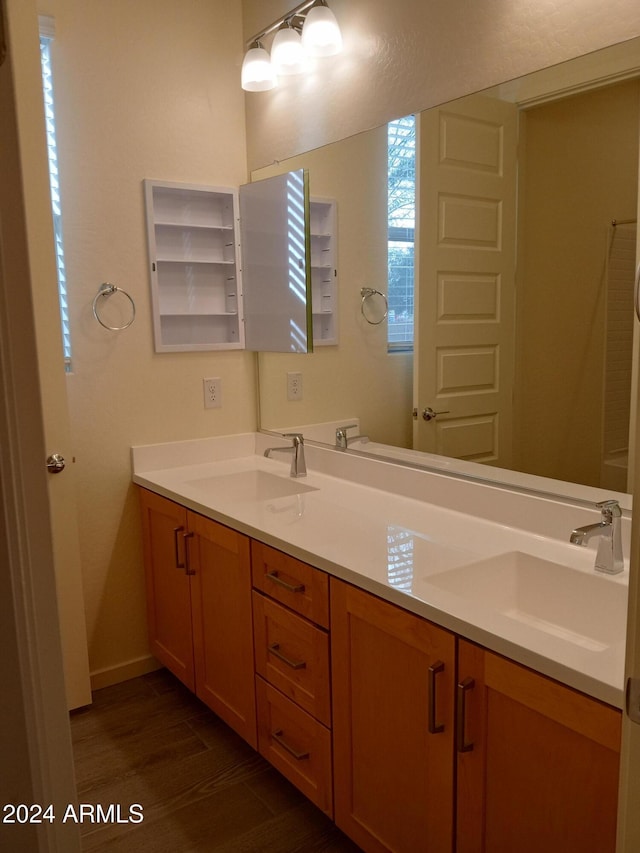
point(367, 382)
point(143, 90)
point(580, 171)
point(408, 55)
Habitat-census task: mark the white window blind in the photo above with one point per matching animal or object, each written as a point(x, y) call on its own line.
point(401, 210)
point(46, 33)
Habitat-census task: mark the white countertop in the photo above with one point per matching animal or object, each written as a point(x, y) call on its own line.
point(412, 552)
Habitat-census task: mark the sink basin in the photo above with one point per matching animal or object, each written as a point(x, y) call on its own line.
point(251, 486)
point(587, 610)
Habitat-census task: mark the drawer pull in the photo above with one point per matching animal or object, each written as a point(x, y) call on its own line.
point(179, 562)
point(279, 739)
point(274, 649)
point(273, 576)
point(187, 569)
point(434, 669)
point(463, 688)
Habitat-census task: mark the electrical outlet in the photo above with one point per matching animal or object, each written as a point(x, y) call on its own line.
point(294, 386)
point(212, 393)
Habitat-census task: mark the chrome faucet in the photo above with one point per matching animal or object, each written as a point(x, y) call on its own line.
point(342, 440)
point(298, 464)
point(609, 558)
point(341, 435)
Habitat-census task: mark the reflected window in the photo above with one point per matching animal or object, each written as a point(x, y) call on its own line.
point(400, 550)
point(401, 213)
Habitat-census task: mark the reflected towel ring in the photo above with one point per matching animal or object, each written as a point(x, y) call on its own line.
point(107, 290)
point(367, 293)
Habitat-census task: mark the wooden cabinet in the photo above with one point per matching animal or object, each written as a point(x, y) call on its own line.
point(198, 579)
point(291, 615)
point(536, 763)
point(393, 683)
point(539, 770)
point(412, 738)
point(168, 586)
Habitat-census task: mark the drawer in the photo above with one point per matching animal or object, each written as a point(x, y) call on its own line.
point(291, 582)
point(293, 655)
point(296, 744)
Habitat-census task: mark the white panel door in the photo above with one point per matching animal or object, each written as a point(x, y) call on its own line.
point(463, 363)
point(33, 183)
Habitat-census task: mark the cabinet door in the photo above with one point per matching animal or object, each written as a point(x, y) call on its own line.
point(392, 724)
point(222, 623)
point(540, 766)
point(168, 590)
point(274, 214)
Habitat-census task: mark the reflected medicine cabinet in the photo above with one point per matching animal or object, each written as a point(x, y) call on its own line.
point(199, 300)
point(324, 273)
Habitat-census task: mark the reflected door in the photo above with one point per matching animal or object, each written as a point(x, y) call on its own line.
point(463, 363)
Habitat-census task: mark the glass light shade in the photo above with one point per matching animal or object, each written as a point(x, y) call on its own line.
point(321, 34)
point(287, 53)
point(257, 72)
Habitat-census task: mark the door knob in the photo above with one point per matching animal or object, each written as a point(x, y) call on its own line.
point(55, 463)
point(428, 414)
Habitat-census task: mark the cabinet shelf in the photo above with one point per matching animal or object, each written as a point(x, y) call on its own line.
point(186, 224)
point(183, 260)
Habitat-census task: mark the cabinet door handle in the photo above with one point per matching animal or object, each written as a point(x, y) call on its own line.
point(279, 739)
point(187, 568)
point(274, 649)
point(273, 576)
point(463, 688)
point(434, 669)
point(176, 531)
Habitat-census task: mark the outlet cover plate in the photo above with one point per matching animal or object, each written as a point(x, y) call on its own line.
point(212, 389)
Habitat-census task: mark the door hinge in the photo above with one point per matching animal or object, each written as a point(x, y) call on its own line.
point(633, 699)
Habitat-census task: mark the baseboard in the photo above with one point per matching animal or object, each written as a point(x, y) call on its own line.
point(123, 672)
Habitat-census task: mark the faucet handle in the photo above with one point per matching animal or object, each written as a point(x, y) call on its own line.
point(609, 509)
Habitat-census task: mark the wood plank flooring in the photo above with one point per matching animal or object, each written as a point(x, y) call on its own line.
point(202, 789)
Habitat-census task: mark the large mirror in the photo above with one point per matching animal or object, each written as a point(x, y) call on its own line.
point(525, 245)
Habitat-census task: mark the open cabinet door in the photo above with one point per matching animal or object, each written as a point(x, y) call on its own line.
point(276, 272)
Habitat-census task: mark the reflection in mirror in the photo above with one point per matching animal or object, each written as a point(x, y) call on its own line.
point(275, 263)
point(524, 286)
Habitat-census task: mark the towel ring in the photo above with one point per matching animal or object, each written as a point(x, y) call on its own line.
point(105, 290)
point(367, 293)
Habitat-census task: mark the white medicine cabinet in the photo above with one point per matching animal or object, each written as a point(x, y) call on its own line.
point(324, 273)
point(253, 269)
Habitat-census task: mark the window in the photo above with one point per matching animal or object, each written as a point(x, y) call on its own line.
point(401, 210)
point(45, 56)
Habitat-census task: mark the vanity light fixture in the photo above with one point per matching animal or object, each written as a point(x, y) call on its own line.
point(287, 53)
point(257, 72)
point(308, 30)
point(321, 34)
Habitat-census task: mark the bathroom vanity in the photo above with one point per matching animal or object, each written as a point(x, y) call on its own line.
point(432, 678)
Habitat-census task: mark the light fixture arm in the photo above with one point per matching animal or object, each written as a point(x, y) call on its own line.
point(297, 11)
